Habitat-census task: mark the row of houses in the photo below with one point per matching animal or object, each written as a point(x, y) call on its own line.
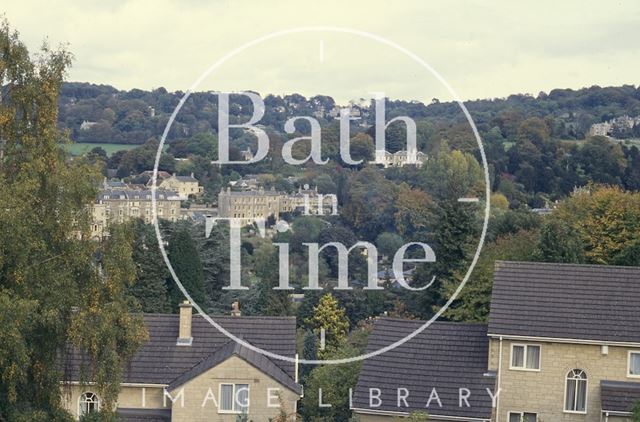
point(562, 344)
point(621, 123)
point(118, 202)
point(253, 205)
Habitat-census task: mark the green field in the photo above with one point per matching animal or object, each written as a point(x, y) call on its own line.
point(82, 148)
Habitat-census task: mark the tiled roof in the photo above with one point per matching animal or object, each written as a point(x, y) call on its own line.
point(446, 356)
point(619, 396)
point(232, 348)
point(186, 179)
point(566, 301)
point(130, 194)
point(161, 361)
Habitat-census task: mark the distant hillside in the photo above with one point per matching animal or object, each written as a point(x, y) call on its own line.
point(104, 114)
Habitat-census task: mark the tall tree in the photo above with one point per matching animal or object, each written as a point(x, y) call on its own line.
point(333, 382)
point(186, 262)
point(150, 287)
point(57, 287)
point(328, 316)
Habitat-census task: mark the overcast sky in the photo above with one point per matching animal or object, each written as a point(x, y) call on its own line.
point(482, 48)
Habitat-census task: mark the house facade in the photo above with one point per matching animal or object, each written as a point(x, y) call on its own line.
point(184, 186)
point(562, 345)
point(399, 159)
point(565, 341)
point(260, 204)
point(189, 371)
point(118, 205)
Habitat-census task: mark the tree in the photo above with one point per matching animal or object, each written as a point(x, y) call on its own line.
point(559, 242)
point(607, 221)
point(388, 243)
point(150, 288)
point(414, 212)
point(475, 299)
point(602, 160)
point(58, 287)
point(309, 351)
point(334, 381)
point(636, 412)
point(368, 200)
point(284, 414)
point(214, 252)
point(184, 257)
point(330, 317)
point(415, 416)
point(272, 302)
point(454, 229)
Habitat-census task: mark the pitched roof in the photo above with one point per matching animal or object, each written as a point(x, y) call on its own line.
point(619, 396)
point(446, 356)
point(232, 348)
point(161, 361)
point(566, 301)
point(186, 179)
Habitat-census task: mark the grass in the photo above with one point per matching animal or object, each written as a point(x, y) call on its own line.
point(81, 148)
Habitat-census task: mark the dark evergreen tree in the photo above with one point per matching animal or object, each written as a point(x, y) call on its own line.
point(185, 259)
point(309, 352)
point(150, 288)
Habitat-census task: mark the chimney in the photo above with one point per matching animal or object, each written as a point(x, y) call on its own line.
point(235, 309)
point(184, 336)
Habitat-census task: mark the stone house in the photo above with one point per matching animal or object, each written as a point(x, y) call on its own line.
point(562, 344)
point(259, 204)
point(188, 371)
point(185, 186)
point(399, 159)
point(565, 341)
point(118, 205)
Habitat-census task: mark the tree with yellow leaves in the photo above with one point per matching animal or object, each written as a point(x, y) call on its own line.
point(58, 288)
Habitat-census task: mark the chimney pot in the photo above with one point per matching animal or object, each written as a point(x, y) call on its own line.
point(184, 336)
point(235, 309)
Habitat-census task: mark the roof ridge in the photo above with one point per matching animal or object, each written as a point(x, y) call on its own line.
point(566, 264)
point(470, 323)
point(243, 317)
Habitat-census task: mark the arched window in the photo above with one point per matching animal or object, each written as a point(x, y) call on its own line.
point(576, 392)
point(88, 403)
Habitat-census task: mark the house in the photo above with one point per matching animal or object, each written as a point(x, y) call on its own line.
point(160, 176)
point(426, 373)
point(562, 344)
point(399, 159)
point(185, 186)
point(567, 335)
point(259, 204)
point(190, 371)
point(118, 205)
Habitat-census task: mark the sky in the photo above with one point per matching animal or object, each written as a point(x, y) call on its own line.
point(482, 49)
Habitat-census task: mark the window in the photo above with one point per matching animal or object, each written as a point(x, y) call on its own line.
point(525, 357)
point(88, 403)
point(234, 398)
point(576, 392)
point(634, 364)
point(522, 417)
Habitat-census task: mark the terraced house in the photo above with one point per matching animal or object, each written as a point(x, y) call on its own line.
point(190, 371)
point(562, 345)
